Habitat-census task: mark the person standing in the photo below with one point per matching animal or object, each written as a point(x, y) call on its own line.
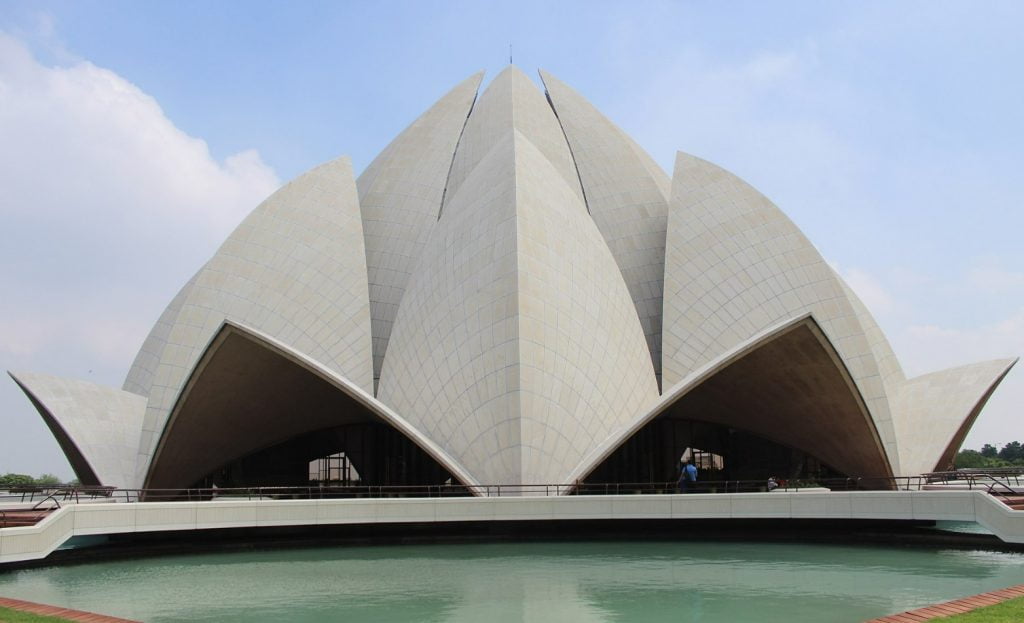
point(687, 477)
point(690, 473)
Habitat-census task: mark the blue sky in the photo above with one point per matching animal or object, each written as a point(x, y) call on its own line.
point(135, 135)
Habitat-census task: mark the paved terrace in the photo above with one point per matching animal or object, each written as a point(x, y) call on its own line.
point(90, 518)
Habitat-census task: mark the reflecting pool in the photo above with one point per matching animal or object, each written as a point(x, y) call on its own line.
point(588, 581)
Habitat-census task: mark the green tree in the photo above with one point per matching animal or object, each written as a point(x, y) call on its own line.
point(1012, 452)
point(16, 480)
point(966, 459)
point(989, 451)
point(48, 479)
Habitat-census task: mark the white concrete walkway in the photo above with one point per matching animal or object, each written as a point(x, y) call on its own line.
point(35, 542)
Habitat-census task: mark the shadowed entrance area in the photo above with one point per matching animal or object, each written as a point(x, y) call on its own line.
point(787, 408)
point(253, 415)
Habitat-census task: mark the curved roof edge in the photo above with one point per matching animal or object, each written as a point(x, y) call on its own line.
point(497, 402)
point(627, 196)
point(139, 379)
point(400, 197)
point(935, 411)
point(510, 101)
point(295, 267)
point(735, 265)
point(695, 378)
point(361, 396)
point(97, 427)
point(888, 364)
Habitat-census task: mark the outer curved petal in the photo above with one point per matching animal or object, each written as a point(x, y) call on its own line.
point(517, 347)
point(238, 358)
point(735, 265)
point(97, 427)
point(143, 370)
point(888, 365)
point(400, 196)
point(935, 411)
point(295, 269)
point(627, 196)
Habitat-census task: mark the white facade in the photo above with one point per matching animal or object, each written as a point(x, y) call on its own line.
point(400, 196)
point(517, 287)
point(517, 347)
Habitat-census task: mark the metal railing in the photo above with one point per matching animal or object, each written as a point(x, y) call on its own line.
point(81, 494)
point(1004, 481)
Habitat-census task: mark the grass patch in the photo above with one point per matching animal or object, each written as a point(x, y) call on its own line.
point(1009, 611)
point(17, 616)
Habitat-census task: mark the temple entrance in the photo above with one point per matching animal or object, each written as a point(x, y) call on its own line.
point(256, 416)
point(721, 453)
point(364, 454)
point(787, 407)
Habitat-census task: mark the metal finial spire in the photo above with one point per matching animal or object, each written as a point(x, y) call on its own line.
point(510, 53)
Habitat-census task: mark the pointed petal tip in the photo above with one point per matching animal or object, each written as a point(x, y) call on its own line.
point(511, 70)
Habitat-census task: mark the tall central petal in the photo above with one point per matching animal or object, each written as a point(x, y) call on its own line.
point(517, 346)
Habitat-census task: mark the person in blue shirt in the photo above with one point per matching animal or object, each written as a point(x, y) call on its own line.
point(687, 477)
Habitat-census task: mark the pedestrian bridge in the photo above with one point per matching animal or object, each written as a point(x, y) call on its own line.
point(19, 544)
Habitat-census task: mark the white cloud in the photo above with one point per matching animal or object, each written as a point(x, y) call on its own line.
point(103, 193)
point(996, 280)
point(107, 207)
point(932, 347)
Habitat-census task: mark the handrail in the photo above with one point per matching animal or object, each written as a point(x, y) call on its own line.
point(327, 490)
point(49, 497)
point(987, 479)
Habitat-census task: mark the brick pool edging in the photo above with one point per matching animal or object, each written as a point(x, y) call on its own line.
point(957, 606)
point(56, 611)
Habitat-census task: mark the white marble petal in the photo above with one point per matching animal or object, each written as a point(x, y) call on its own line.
point(627, 196)
point(295, 269)
point(933, 412)
point(735, 265)
point(517, 347)
point(400, 198)
point(97, 427)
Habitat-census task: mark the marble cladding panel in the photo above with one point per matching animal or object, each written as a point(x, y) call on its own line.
point(294, 269)
point(627, 197)
point(517, 347)
point(736, 265)
point(933, 410)
point(511, 100)
point(102, 422)
point(400, 197)
point(584, 361)
point(143, 369)
point(452, 368)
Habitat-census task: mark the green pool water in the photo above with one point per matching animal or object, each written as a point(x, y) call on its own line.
point(591, 581)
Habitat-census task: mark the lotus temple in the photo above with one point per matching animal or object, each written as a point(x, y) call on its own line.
point(512, 292)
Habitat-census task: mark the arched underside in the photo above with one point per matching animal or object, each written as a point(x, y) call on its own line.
point(721, 452)
point(937, 410)
point(83, 471)
point(946, 460)
point(375, 453)
point(788, 387)
point(249, 394)
point(97, 427)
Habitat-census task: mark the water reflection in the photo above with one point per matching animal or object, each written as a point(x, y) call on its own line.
point(593, 581)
